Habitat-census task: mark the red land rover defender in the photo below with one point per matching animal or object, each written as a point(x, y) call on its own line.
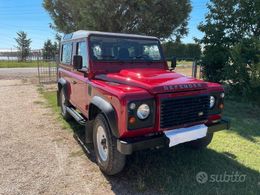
point(120, 88)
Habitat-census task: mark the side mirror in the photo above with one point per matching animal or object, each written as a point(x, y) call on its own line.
point(77, 62)
point(173, 63)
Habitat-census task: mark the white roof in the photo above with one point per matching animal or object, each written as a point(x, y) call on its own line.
point(83, 34)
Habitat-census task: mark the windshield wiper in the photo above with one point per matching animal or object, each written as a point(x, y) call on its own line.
point(140, 56)
point(145, 58)
point(108, 56)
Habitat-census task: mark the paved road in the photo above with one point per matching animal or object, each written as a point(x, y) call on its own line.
point(18, 72)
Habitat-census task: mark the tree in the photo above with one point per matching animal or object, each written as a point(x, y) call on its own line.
point(50, 49)
point(180, 50)
point(23, 45)
point(161, 18)
point(231, 43)
point(228, 21)
point(193, 50)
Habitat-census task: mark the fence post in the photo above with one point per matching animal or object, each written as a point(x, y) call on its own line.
point(38, 64)
point(49, 63)
point(200, 72)
point(57, 66)
point(194, 69)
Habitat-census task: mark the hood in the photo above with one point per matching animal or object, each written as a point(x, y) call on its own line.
point(154, 80)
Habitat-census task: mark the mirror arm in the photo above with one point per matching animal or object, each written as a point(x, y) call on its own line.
point(84, 72)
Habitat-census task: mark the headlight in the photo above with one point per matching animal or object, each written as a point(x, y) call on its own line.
point(143, 111)
point(212, 101)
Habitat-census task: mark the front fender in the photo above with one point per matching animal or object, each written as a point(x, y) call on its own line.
point(62, 84)
point(109, 112)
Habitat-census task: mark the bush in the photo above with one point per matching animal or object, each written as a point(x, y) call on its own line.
point(242, 72)
point(213, 61)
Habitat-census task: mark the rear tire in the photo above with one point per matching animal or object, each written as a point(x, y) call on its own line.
point(201, 143)
point(63, 104)
point(109, 159)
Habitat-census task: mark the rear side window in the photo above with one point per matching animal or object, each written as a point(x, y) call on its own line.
point(66, 53)
point(82, 51)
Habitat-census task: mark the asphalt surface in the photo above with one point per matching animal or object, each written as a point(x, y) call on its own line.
point(18, 72)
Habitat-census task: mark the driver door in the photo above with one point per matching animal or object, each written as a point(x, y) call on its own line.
point(81, 86)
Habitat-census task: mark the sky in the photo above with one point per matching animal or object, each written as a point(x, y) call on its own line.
point(30, 16)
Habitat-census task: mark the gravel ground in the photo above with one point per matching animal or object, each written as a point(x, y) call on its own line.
point(37, 155)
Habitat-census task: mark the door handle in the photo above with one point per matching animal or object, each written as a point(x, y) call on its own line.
point(74, 82)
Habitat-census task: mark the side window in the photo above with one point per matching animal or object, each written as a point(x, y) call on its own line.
point(66, 53)
point(82, 51)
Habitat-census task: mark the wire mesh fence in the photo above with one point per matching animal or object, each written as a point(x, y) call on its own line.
point(47, 71)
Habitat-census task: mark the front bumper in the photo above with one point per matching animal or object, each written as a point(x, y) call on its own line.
point(128, 146)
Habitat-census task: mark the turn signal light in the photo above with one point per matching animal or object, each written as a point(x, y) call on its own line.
point(132, 120)
point(221, 106)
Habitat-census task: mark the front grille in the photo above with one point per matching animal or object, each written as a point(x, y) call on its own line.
point(180, 111)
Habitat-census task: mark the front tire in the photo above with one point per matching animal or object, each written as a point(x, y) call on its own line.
point(201, 143)
point(109, 159)
point(63, 104)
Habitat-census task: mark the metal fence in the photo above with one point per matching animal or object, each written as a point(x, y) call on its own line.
point(47, 71)
point(187, 66)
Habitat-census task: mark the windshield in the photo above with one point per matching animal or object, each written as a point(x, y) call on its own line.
point(104, 48)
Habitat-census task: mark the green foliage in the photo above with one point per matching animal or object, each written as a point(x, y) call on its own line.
point(181, 50)
point(23, 45)
point(243, 70)
point(231, 52)
point(161, 18)
point(228, 21)
point(213, 61)
point(50, 49)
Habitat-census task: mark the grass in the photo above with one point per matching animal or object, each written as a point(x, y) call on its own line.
point(184, 63)
point(51, 98)
point(174, 170)
point(181, 63)
point(27, 64)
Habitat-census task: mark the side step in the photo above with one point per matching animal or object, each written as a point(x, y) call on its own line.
point(76, 115)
